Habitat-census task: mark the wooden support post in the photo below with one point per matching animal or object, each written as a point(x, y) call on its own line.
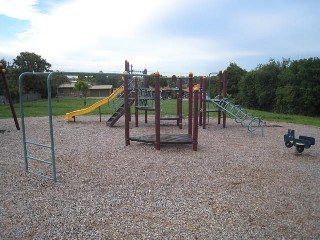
point(126, 110)
point(190, 103)
point(204, 105)
point(195, 123)
point(5, 84)
point(178, 109)
point(157, 110)
point(201, 101)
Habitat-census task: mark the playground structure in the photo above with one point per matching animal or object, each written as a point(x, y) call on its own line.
point(300, 143)
point(50, 173)
point(5, 84)
point(157, 139)
point(141, 95)
point(144, 100)
point(129, 92)
point(225, 106)
point(208, 106)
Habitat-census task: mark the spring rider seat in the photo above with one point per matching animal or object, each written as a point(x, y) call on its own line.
point(301, 143)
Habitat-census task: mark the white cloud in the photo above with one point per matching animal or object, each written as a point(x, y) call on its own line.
point(19, 9)
point(94, 28)
point(99, 35)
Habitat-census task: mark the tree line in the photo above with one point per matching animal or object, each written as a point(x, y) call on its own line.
point(31, 62)
point(286, 86)
point(290, 87)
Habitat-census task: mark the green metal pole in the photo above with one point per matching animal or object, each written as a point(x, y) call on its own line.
point(54, 172)
point(22, 122)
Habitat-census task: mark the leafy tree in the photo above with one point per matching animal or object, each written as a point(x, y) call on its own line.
point(212, 86)
point(163, 82)
point(115, 81)
point(12, 76)
point(235, 73)
point(266, 79)
point(298, 91)
point(83, 87)
point(29, 62)
point(100, 79)
point(4, 63)
point(247, 92)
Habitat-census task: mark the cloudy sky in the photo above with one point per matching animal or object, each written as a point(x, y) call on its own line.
point(171, 36)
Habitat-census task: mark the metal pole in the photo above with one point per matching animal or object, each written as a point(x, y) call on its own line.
point(136, 110)
point(54, 173)
point(219, 95)
point(225, 82)
point(209, 88)
point(26, 165)
point(180, 103)
point(174, 79)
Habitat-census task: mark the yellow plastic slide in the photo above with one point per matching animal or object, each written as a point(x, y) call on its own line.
point(112, 96)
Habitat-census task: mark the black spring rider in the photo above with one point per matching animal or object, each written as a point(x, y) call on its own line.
point(301, 143)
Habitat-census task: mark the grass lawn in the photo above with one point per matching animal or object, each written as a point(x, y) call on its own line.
point(64, 105)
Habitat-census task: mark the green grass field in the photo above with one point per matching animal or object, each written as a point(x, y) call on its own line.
point(67, 104)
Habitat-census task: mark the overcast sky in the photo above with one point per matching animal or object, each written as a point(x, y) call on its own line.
point(171, 36)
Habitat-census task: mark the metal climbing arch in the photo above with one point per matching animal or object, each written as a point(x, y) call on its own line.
point(28, 155)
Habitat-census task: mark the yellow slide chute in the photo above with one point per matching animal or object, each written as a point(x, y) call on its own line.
point(112, 96)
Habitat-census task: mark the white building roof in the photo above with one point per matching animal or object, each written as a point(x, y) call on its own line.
point(95, 87)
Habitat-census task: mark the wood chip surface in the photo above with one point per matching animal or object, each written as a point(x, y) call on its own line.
point(236, 186)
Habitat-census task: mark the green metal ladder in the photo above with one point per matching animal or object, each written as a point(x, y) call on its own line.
point(26, 142)
point(240, 115)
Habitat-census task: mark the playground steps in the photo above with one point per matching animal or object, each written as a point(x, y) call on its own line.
point(238, 114)
point(118, 114)
point(40, 166)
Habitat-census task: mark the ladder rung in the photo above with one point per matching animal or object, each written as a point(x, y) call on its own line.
point(40, 174)
point(38, 144)
point(39, 160)
point(230, 108)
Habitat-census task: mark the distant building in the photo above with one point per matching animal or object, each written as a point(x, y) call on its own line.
point(67, 90)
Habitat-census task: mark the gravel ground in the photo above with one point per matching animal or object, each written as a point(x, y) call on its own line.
point(236, 186)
